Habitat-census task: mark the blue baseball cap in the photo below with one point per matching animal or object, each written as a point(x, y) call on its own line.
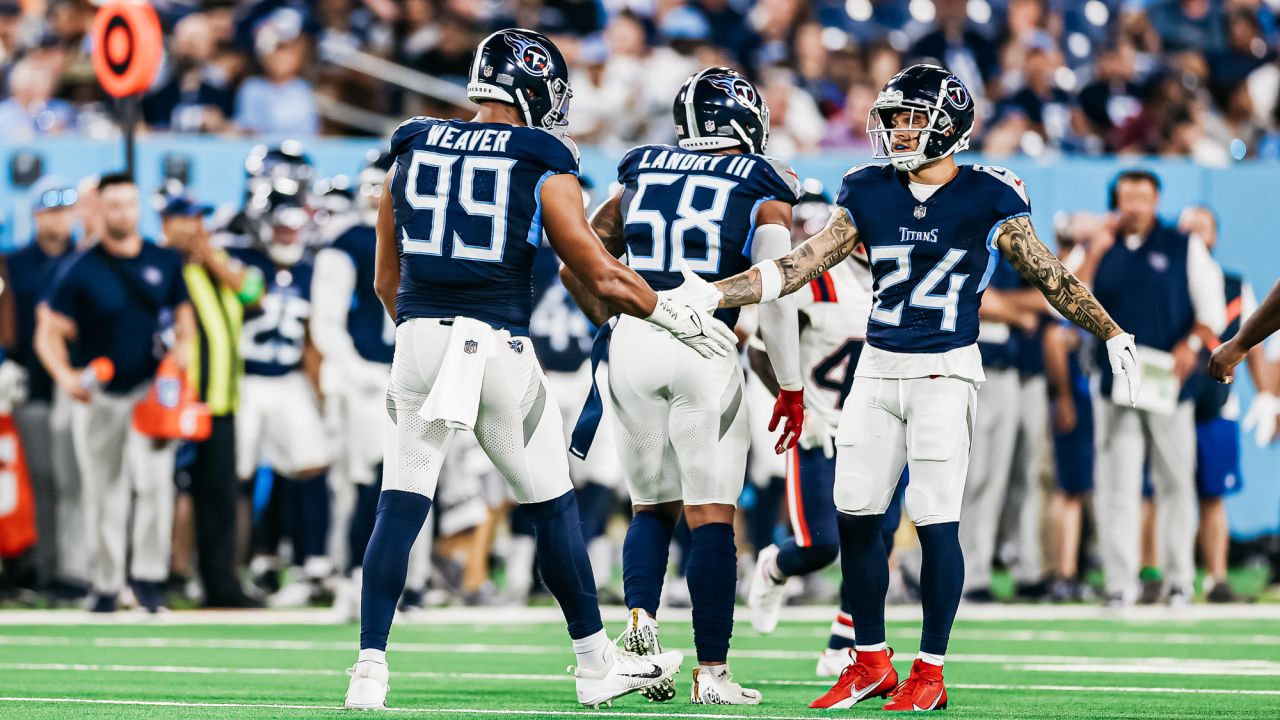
point(51, 192)
point(184, 206)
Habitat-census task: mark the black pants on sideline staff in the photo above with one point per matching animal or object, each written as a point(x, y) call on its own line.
point(213, 490)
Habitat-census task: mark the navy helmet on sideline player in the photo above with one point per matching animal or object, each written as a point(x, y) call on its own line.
point(719, 108)
point(523, 68)
point(941, 111)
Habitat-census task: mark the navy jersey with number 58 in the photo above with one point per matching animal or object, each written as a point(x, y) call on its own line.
point(696, 205)
point(931, 260)
point(469, 217)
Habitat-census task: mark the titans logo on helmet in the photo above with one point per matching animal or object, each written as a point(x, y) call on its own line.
point(737, 88)
point(955, 92)
point(532, 56)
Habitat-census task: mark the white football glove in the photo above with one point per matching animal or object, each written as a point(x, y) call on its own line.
point(693, 327)
point(695, 291)
point(1261, 418)
point(1124, 363)
point(13, 385)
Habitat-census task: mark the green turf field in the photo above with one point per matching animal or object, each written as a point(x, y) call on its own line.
point(1045, 667)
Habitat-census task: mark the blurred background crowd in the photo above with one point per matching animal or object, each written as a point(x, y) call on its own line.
point(1181, 78)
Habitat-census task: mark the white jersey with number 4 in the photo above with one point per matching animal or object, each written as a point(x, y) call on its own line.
point(836, 307)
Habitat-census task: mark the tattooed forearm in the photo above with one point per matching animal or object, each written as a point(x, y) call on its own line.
point(1018, 241)
point(800, 266)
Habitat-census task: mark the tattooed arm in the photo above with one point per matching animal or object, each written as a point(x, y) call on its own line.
point(606, 221)
point(1018, 242)
point(798, 267)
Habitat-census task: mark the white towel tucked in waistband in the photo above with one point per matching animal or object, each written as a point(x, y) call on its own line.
point(455, 395)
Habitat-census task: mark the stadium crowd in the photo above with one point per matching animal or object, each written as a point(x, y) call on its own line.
point(288, 515)
point(1186, 78)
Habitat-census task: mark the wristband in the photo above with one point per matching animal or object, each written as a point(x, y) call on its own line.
point(770, 280)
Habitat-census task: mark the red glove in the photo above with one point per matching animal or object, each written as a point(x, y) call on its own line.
point(790, 405)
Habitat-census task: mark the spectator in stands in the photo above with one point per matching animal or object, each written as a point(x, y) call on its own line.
point(1113, 98)
point(31, 110)
point(797, 124)
point(280, 101)
point(449, 58)
point(1245, 51)
point(43, 419)
point(962, 49)
point(1045, 106)
point(1189, 24)
point(847, 129)
point(732, 30)
point(194, 94)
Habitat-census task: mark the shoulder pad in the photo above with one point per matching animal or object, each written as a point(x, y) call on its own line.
point(1008, 177)
point(784, 171)
point(407, 130)
point(859, 168)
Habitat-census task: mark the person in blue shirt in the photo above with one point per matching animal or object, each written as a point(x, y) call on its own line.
point(460, 221)
point(933, 231)
point(125, 300)
point(42, 418)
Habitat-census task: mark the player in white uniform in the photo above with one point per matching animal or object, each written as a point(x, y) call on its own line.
point(932, 230)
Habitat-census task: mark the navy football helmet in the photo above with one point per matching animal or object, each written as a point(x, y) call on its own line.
point(523, 68)
point(719, 108)
point(937, 106)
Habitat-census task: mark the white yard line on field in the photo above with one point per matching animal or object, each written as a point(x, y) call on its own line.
point(1122, 668)
point(562, 649)
point(1124, 638)
point(516, 616)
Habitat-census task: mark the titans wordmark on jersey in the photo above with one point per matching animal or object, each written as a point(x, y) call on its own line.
point(469, 217)
point(372, 331)
point(275, 330)
point(931, 259)
point(697, 206)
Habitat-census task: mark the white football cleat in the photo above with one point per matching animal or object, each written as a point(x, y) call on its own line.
point(766, 596)
point(295, 594)
point(626, 673)
point(368, 687)
point(833, 662)
point(715, 686)
point(641, 638)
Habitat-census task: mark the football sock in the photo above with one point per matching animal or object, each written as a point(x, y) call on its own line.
point(877, 647)
point(941, 581)
point(310, 516)
point(842, 635)
point(644, 559)
point(795, 560)
point(590, 651)
point(594, 503)
point(371, 655)
point(713, 580)
point(930, 658)
point(562, 558)
point(399, 518)
point(361, 526)
point(866, 567)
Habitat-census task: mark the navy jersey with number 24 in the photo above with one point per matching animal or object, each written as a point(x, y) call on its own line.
point(930, 260)
point(468, 217)
point(698, 206)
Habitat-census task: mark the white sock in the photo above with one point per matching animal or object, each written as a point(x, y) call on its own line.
point(931, 658)
point(371, 655)
point(773, 572)
point(591, 651)
point(871, 648)
point(842, 630)
point(719, 672)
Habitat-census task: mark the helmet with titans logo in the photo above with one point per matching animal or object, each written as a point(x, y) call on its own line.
point(525, 69)
point(719, 108)
point(937, 106)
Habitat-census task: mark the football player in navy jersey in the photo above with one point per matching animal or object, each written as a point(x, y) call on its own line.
point(357, 339)
point(713, 205)
point(279, 420)
point(932, 230)
point(461, 218)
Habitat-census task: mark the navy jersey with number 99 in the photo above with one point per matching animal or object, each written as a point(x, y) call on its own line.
point(469, 217)
point(698, 206)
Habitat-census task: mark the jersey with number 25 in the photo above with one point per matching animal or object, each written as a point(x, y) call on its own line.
point(931, 259)
point(468, 216)
point(697, 206)
point(275, 330)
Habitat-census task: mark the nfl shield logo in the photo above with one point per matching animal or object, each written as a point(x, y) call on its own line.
point(920, 211)
point(470, 347)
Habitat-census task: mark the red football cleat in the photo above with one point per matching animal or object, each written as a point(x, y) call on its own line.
point(922, 690)
point(870, 675)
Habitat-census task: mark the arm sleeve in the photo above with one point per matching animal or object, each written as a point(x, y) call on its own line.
point(332, 285)
point(1205, 283)
point(779, 323)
